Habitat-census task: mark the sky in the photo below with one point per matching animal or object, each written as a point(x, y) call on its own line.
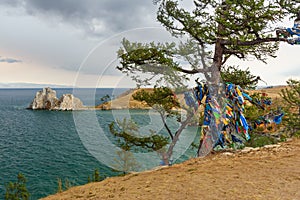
point(74, 42)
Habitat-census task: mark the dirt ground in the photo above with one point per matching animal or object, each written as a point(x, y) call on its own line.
point(271, 172)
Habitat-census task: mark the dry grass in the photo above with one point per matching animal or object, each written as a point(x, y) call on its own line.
point(267, 173)
point(124, 101)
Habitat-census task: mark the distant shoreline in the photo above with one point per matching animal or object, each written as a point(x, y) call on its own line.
point(4, 88)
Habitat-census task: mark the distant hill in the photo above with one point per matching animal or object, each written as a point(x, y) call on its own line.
point(273, 91)
point(126, 101)
point(32, 85)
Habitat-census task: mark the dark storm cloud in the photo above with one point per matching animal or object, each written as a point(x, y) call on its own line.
point(9, 60)
point(94, 16)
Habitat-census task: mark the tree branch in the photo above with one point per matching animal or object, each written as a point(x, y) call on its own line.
point(226, 57)
point(166, 126)
point(237, 53)
point(252, 42)
point(193, 71)
point(178, 133)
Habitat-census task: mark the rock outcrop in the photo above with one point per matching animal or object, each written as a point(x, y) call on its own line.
point(69, 102)
point(46, 100)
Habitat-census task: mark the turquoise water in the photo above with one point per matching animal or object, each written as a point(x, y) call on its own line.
point(45, 145)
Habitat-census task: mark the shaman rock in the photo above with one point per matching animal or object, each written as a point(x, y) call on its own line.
point(69, 102)
point(46, 100)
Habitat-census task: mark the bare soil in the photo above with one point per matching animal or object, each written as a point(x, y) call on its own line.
point(271, 172)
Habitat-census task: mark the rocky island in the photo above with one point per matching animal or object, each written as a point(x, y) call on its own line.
point(46, 100)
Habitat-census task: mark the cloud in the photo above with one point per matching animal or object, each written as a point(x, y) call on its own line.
point(10, 2)
point(96, 17)
point(9, 60)
point(292, 71)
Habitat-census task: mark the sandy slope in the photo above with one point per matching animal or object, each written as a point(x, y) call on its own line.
point(126, 101)
point(271, 92)
point(266, 173)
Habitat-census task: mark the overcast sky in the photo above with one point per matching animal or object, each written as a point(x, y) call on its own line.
point(74, 42)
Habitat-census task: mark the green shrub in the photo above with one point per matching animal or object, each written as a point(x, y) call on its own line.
point(17, 190)
point(95, 177)
point(291, 96)
point(59, 185)
point(260, 140)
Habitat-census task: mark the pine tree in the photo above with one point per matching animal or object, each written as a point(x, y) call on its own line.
point(163, 101)
point(125, 162)
point(237, 76)
point(216, 31)
point(292, 96)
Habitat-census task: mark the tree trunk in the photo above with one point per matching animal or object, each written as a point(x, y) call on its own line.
point(214, 84)
point(166, 156)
